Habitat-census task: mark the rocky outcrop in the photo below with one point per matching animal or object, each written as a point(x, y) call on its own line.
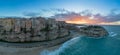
point(93, 31)
point(32, 29)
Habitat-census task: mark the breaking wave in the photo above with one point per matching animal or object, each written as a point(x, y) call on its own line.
point(110, 45)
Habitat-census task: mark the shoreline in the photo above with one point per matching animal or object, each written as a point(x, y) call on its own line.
point(24, 51)
point(31, 51)
point(37, 44)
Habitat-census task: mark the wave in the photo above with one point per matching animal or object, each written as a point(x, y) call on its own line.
point(113, 34)
point(86, 46)
point(64, 46)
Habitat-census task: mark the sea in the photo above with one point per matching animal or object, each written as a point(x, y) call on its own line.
point(83, 45)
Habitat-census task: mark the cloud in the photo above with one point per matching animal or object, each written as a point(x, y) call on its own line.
point(31, 14)
point(113, 16)
point(85, 15)
point(111, 23)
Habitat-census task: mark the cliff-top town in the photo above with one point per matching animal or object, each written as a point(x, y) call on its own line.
point(32, 29)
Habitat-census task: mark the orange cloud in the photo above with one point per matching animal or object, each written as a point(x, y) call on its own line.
point(82, 20)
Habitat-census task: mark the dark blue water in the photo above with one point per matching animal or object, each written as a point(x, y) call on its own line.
point(91, 46)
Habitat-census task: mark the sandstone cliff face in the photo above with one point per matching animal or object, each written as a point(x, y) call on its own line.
point(33, 29)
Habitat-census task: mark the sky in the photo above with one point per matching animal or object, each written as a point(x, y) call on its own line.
point(23, 8)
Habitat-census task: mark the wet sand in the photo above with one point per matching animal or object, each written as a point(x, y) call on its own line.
point(24, 51)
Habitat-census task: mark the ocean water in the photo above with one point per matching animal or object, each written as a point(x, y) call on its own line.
point(81, 45)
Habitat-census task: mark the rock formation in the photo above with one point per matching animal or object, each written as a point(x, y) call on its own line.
point(93, 31)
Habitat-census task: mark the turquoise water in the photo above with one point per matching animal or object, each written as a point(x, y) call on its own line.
point(90, 46)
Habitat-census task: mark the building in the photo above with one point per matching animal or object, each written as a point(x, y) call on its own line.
point(22, 22)
point(9, 24)
point(17, 27)
point(28, 24)
point(38, 24)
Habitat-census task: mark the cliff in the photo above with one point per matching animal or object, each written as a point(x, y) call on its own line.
point(46, 32)
point(32, 29)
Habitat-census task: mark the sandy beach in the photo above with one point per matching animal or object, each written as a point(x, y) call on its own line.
point(24, 51)
point(12, 50)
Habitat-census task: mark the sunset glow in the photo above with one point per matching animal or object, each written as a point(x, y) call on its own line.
point(81, 20)
point(110, 23)
point(77, 22)
point(89, 21)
